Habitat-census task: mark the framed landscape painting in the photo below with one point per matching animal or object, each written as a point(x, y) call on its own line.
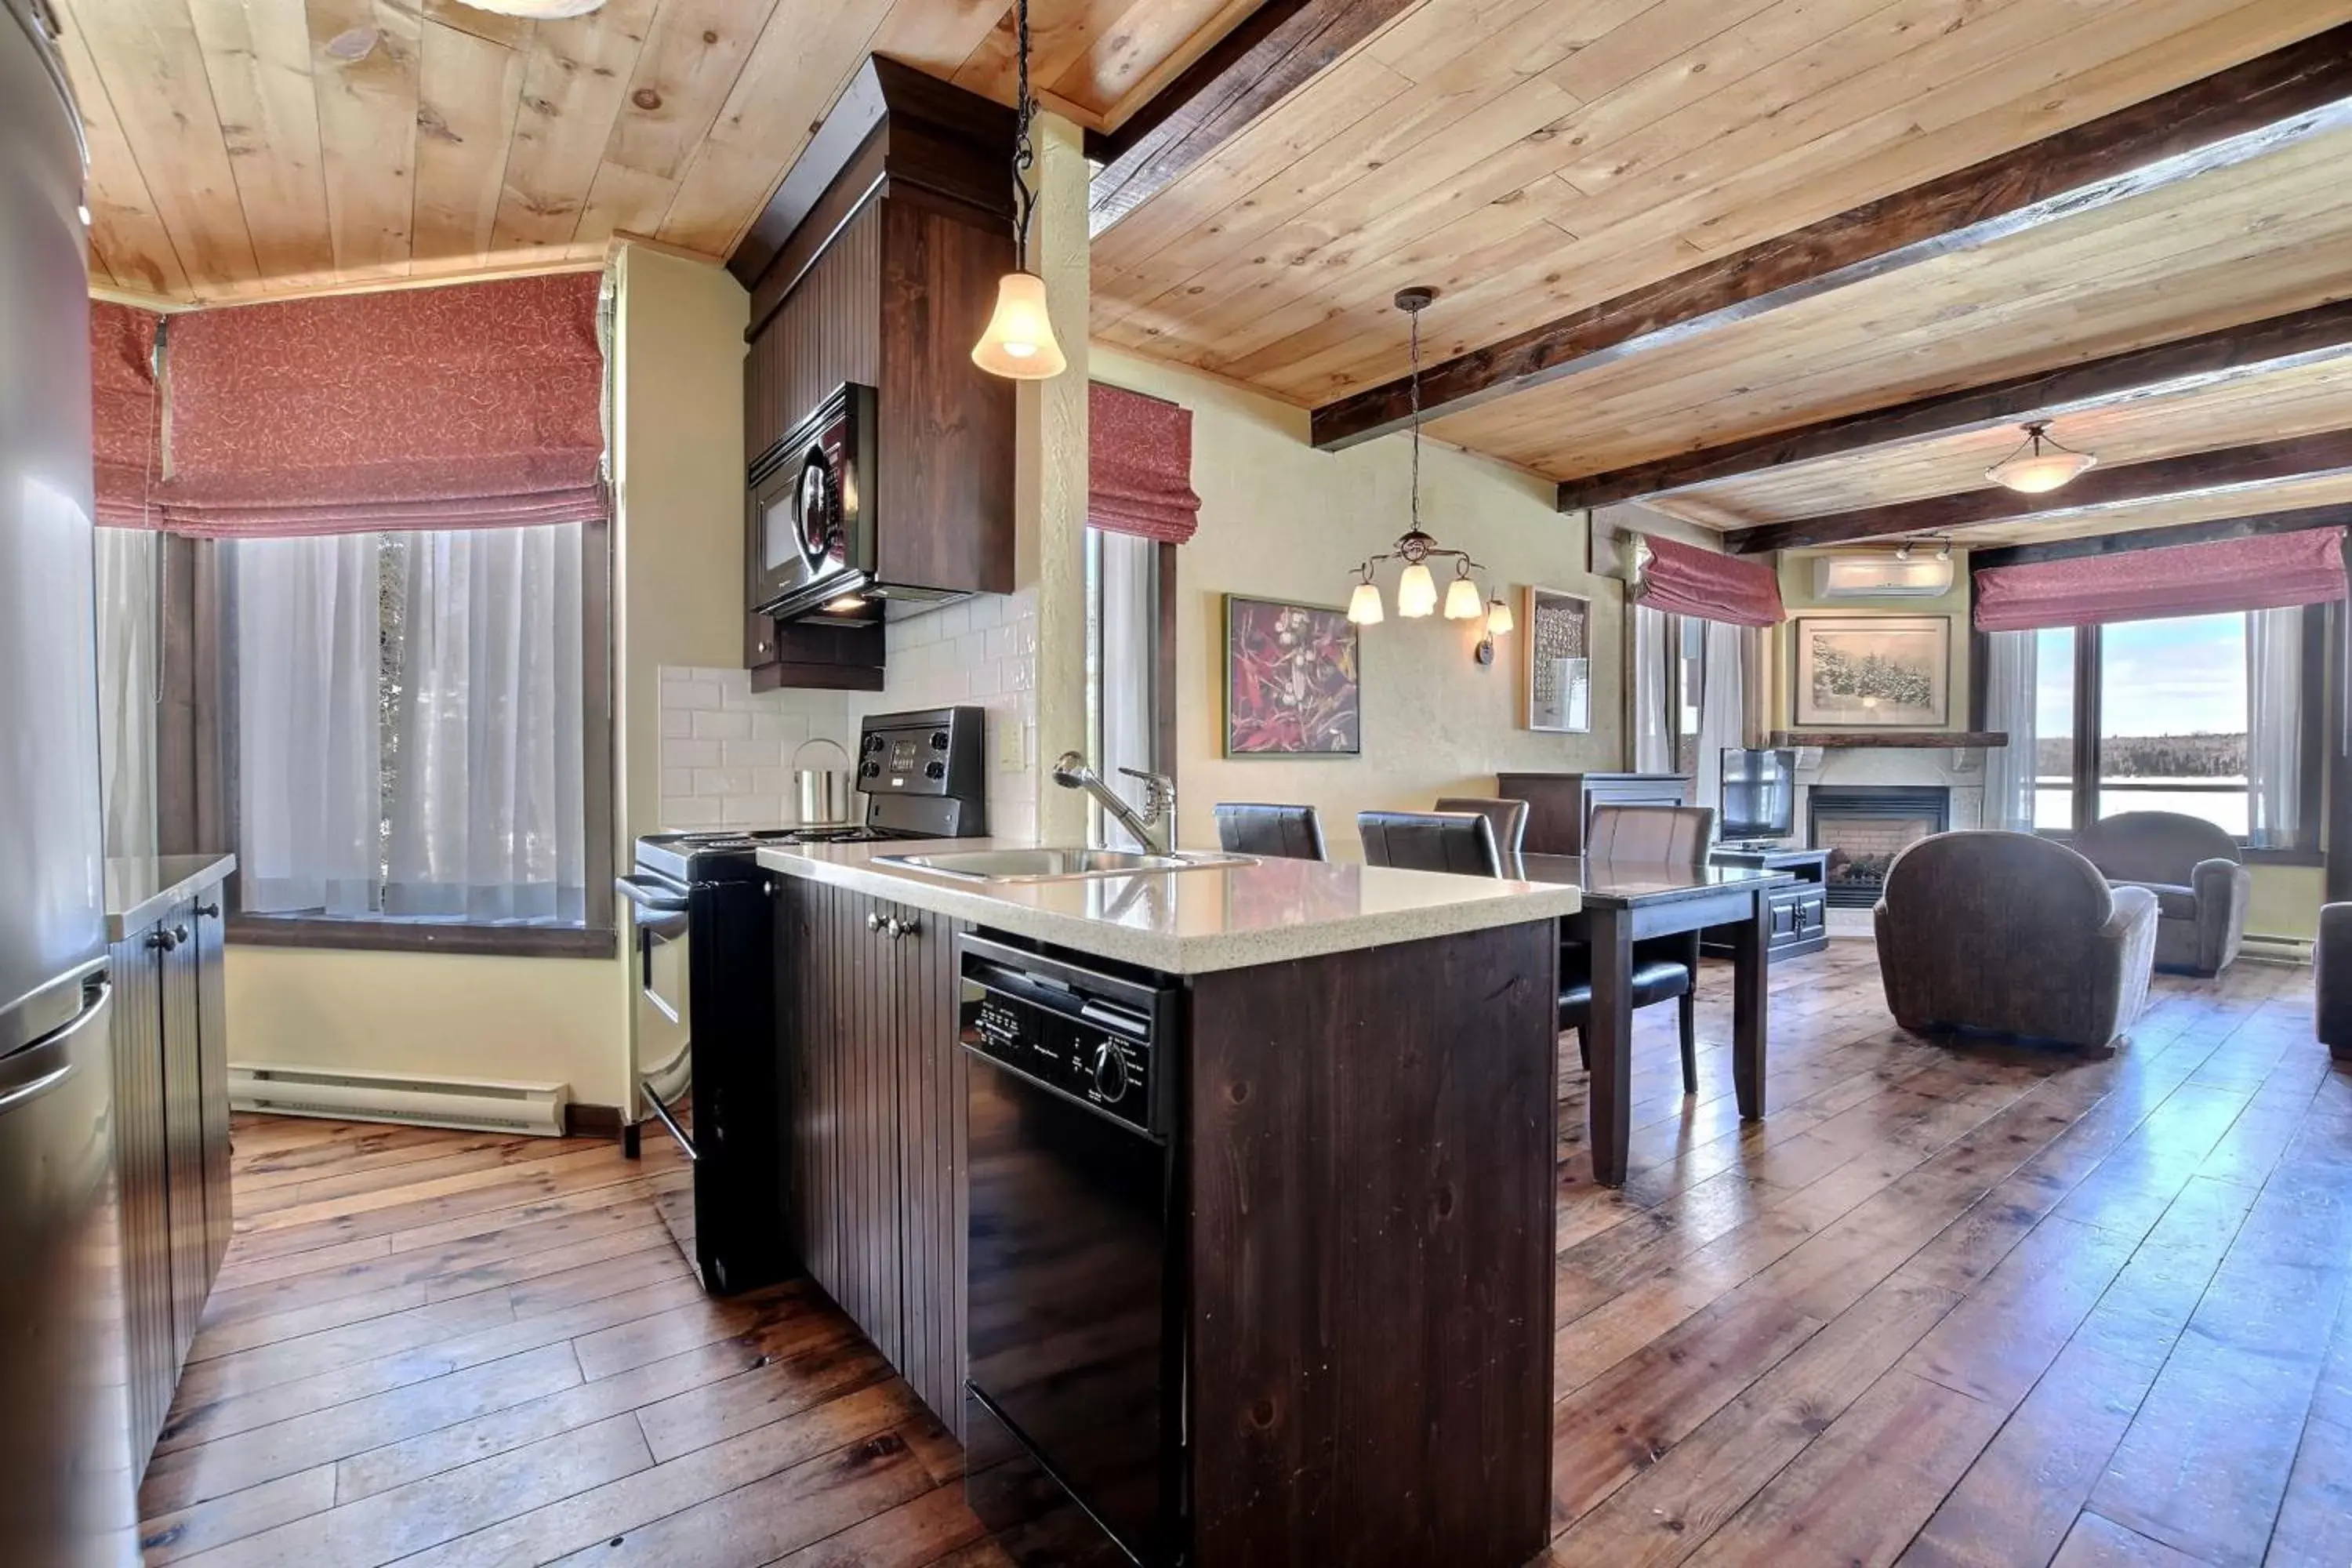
point(1864, 671)
point(1292, 688)
point(1558, 640)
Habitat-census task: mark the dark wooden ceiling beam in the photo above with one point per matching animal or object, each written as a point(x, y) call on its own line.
point(1271, 54)
point(2276, 100)
point(2327, 455)
point(2208, 532)
point(2207, 359)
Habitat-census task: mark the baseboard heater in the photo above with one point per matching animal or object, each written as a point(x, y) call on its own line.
point(475, 1105)
point(2274, 949)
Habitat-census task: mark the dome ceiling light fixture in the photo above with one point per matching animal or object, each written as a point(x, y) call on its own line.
point(1018, 341)
point(2040, 465)
point(1417, 594)
point(536, 10)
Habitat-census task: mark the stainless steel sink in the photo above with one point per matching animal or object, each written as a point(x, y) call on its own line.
point(1048, 865)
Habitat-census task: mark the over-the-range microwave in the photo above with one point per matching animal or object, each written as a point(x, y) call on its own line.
point(815, 522)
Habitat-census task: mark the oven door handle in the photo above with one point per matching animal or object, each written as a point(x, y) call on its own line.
point(652, 898)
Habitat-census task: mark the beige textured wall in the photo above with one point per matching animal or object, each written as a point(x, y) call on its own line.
point(1280, 520)
point(678, 542)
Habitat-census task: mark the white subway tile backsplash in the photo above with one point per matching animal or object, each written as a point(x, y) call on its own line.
point(729, 725)
point(677, 753)
point(752, 754)
point(693, 812)
point(677, 721)
point(690, 694)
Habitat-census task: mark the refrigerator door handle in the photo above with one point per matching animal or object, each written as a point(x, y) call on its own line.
point(54, 1044)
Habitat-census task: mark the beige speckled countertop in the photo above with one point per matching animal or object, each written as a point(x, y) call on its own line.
point(1195, 922)
point(139, 888)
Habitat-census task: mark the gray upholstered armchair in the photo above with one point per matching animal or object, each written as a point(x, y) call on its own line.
point(2014, 933)
point(2196, 872)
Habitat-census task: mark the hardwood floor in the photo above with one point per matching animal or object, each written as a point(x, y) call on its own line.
point(1967, 1304)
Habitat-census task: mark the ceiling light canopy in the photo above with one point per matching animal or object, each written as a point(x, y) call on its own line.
point(536, 10)
point(2040, 464)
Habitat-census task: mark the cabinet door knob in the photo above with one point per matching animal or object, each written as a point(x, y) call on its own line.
point(208, 911)
point(874, 919)
point(162, 940)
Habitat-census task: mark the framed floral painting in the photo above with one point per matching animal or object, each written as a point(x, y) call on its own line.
point(1292, 687)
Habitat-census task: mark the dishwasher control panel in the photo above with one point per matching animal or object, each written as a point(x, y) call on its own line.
point(1093, 1037)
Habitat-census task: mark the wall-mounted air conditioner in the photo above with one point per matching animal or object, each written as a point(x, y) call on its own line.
point(1882, 575)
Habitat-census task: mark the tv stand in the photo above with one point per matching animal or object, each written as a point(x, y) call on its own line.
point(1800, 910)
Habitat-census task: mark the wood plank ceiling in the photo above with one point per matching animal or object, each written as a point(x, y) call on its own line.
point(246, 148)
point(1536, 159)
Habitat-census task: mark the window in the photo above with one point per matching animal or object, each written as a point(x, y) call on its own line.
point(1690, 688)
point(1128, 578)
point(2201, 715)
point(412, 721)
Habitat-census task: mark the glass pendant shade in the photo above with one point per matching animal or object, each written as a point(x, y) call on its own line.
point(1364, 606)
point(1416, 592)
point(2040, 466)
point(1463, 602)
point(1019, 343)
point(1499, 618)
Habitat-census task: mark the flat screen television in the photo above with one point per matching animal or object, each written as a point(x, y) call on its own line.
point(1759, 795)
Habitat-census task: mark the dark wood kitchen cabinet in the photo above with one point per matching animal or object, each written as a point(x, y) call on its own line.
point(877, 262)
point(876, 1086)
point(170, 1040)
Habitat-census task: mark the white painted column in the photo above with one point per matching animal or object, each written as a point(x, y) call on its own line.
point(1050, 477)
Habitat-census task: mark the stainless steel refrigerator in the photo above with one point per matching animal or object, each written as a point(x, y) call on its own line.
point(65, 1461)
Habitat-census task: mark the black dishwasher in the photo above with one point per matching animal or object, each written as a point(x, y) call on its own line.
point(1074, 1407)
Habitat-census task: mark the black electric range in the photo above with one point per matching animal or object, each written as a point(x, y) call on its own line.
point(709, 1060)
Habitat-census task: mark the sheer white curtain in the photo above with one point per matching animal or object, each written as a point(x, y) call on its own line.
point(308, 637)
point(2274, 724)
point(2010, 695)
point(484, 798)
point(127, 558)
point(1125, 611)
point(1654, 741)
point(1722, 705)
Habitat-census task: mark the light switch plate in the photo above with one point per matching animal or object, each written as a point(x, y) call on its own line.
point(1010, 754)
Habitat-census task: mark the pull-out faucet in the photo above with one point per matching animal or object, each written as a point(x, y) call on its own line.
point(1154, 826)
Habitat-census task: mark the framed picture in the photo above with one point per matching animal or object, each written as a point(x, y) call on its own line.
point(1557, 636)
point(1867, 671)
point(1292, 687)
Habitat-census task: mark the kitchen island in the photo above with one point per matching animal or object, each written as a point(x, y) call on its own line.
point(1329, 1336)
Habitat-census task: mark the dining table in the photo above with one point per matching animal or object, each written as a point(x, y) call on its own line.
point(1627, 901)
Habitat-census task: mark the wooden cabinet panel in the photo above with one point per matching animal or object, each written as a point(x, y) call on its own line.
point(212, 1025)
point(875, 1079)
point(169, 1045)
point(183, 1117)
point(141, 1154)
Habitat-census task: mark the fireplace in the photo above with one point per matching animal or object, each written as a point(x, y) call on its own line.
point(1863, 828)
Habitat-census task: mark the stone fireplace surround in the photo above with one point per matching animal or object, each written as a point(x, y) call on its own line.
point(1958, 772)
point(1864, 827)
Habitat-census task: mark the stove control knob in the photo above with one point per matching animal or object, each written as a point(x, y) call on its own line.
point(1110, 1073)
point(868, 770)
point(938, 740)
point(872, 742)
point(935, 770)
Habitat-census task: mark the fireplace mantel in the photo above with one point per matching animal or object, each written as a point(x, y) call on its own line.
point(1889, 740)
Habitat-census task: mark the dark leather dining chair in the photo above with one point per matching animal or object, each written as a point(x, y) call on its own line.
point(1665, 968)
point(1456, 841)
point(1278, 832)
point(1506, 818)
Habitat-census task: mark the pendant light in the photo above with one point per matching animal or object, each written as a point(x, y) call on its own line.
point(1018, 343)
point(1416, 594)
point(2039, 465)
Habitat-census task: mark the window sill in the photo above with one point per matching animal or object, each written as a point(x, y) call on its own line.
point(394, 936)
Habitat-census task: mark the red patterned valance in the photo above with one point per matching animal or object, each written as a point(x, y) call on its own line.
point(126, 417)
point(468, 406)
point(1140, 465)
point(1684, 580)
point(2270, 572)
